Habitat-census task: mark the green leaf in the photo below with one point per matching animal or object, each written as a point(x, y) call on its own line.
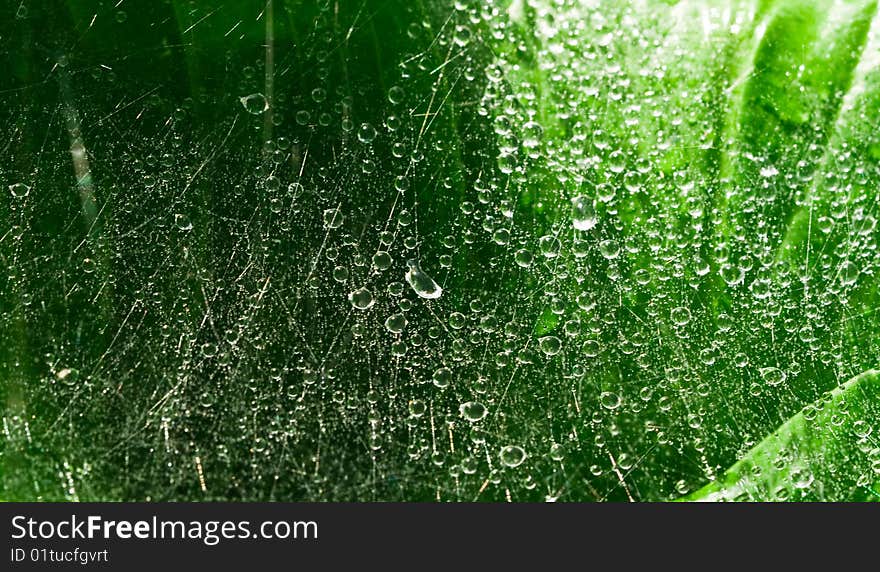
point(825, 451)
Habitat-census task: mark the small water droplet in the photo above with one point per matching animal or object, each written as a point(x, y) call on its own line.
point(19, 190)
point(182, 222)
point(442, 377)
point(254, 103)
point(366, 133)
point(849, 273)
point(550, 345)
point(473, 411)
point(609, 249)
point(523, 258)
point(772, 375)
point(361, 299)
point(549, 246)
point(609, 400)
point(333, 218)
point(395, 323)
point(67, 376)
point(396, 94)
point(680, 316)
point(512, 456)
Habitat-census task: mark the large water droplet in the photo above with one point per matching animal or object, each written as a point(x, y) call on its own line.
point(366, 133)
point(583, 213)
point(421, 283)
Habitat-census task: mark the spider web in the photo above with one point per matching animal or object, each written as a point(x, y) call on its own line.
point(415, 251)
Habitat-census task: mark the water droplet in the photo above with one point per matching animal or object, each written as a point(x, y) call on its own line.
point(462, 36)
point(67, 376)
point(772, 375)
point(583, 213)
point(366, 133)
point(680, 316)
point(473, 411)
point(609, 400)
point(254, 103)
point(362, 299)
point(523, 258)
point(421, 283)
point(382, 260)
point(849, 273)
point(182, 222)
point(861, 428)
point(609, 249)
point(19, 190)
point(532, 133)
point(549, 246)
point(512, 456)
point(731, 274)
point(801, 477)
point(417, 407)
point(442, 377)
point(550, 345)
point(395, 323)
point(396, 94)
point(333, 218)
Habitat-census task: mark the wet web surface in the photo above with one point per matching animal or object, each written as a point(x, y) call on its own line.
point(434, 251)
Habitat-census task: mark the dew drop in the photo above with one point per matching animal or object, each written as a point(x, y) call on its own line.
point(421, 283)
point(182, 222)
point(512, 456)
point(361, 299)
point(609, 400)
point(366, 134)
point(849, 273)
point(396, 94)
point(583, 213)
point(680, 316)
point(442, 377)
point(549, 246)
point(772, 375)
point(255, 103)
point(382, 260)
point(395, 323)
point(523, 258)
point(532, 134)
point(550, 345)
point(333, 218)
point(67, 376)
point(609, 249)
point(19, 190)
point(472, 411)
